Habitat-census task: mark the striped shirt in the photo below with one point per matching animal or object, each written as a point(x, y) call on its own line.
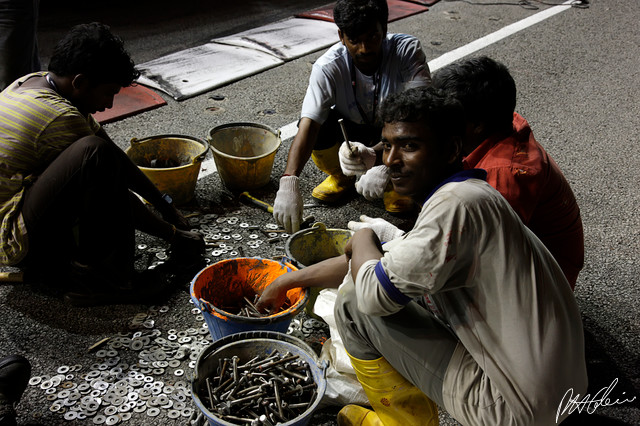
point(36, 124)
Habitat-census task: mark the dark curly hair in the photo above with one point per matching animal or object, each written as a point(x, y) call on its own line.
point(442, 114)
point(92, 50)
point(484, 87)
point(354, 17)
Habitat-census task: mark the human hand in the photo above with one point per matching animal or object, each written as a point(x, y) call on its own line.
point(272, 298)
point(174, 216)
point(372, 184)
point(383, 229)
point(287, 207)
point(187, 245)
point(358, 162)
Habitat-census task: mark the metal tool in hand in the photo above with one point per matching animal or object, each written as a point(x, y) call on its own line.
point(344, 134)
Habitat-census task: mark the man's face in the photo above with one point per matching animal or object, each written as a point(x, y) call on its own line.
point(366, 48)
point(90, 98)
point(416, 164)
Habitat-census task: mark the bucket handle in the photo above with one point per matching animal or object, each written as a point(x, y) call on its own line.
point(320, 226)
point(285, 261)
point(200, 158)
point(136, 141)
point(197, 159)
point(324, 365)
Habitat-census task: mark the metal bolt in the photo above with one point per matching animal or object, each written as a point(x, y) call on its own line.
point(209, 391)
point(250, 362)
point(222, 370)
point(234, 361)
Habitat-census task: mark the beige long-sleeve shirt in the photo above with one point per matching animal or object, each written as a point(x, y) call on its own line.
point(492, 281)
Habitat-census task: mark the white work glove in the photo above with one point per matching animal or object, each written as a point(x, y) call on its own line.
point(362, 159)
point(373, 183)
point(287, 207)
point(383, 229)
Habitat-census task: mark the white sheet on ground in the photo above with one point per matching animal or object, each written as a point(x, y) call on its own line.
point(200, 69)
point(224, 60)
point(288, 39)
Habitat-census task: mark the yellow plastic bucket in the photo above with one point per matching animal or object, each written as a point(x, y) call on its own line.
point(309, 246)
point(171, 162)
point(313, 245)
point(244, 154)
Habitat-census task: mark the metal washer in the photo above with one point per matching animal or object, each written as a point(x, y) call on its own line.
point(153, 412)
point(112, 420)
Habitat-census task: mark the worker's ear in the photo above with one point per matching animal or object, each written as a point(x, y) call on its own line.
point(478, 129)
point(456, 151)
point(79, 82)
point(341, 36)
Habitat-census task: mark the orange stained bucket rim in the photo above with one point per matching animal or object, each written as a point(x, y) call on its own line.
point(242, 277)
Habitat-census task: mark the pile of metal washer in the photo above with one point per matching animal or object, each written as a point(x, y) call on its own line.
point(126, 377)
point(227, 237)
point(147, 372)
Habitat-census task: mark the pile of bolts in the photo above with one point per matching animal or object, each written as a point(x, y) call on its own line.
point(265, 390)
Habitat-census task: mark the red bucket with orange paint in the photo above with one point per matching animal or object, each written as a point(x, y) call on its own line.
point(226, 283)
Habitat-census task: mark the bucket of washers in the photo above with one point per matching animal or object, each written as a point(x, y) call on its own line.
point(171, 162)
point(221, 289)
point(297, 378)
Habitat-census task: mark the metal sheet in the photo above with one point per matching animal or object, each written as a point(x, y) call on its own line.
point(130, 101)
point(288, 39)
point(200, 69)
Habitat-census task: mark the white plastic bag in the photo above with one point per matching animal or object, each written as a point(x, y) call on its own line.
point(343, 386)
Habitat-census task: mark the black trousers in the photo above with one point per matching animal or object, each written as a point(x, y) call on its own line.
point(331, 134)
point(80, 208)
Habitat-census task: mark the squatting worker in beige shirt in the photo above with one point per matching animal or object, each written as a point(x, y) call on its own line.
point(468, 309)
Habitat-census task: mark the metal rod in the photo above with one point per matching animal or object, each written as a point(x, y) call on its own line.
point(210, 393)
point(344, 133)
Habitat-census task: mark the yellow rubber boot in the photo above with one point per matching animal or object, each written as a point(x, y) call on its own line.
point(337, 184)
point(355, 415)
point(396, 203)
point(395, 400)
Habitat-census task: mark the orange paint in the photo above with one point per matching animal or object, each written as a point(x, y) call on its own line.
point(228, 282)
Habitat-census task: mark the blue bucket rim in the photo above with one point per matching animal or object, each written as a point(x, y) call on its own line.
point(232, 339)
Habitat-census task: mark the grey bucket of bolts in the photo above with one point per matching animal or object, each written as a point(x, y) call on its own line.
point(260, 377)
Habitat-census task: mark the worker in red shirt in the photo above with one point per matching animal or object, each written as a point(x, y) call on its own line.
point(501, 142)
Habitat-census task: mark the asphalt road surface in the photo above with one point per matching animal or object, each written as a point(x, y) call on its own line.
point(577, 74)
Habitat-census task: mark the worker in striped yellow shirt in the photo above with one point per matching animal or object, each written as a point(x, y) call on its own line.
point(67, 202)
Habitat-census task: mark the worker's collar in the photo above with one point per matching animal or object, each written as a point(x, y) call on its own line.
point(51, 82)
point(460, 177)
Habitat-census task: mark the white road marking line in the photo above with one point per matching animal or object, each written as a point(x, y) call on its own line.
point(496, 36)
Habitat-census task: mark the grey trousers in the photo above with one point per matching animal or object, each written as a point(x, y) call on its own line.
point(412, 340)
